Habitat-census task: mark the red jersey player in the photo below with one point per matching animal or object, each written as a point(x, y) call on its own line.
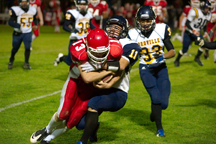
point(159, 7)
point(95, 49)
point(37, 4)
point(99, 10)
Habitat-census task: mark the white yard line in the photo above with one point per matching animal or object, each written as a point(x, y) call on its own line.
point(33, 99)
point(43, 96)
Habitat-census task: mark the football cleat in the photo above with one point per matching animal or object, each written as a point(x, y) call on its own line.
point(44, 142)
point(93, 137)
point(57, 60)
point(176, 62)
point(31, 48)
point(27, 66)
point(10, 65)
point(197, 59)
point(79, 142)
point(160, 133)
point(38, 135)
point(175, 37)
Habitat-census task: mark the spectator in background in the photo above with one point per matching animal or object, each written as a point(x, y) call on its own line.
point(171, 17)
point(48, 17)
point(56, 19)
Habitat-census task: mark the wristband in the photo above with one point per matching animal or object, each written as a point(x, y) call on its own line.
point(113, 66)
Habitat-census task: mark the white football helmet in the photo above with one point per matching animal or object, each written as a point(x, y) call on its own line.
point(195, 3)
point(94, 2)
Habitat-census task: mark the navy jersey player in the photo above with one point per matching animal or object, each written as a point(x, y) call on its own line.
point(153, 71)
point(196, 21)
point(21, 18)
point(114, 98)
point(79, 19)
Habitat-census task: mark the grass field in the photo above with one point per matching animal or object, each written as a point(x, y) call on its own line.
point(28, 98)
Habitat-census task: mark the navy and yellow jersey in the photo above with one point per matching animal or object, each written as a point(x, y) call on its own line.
point(79, 22)
point(22, 18)
point(131, 52)
point(197, 19)
point(151, 45)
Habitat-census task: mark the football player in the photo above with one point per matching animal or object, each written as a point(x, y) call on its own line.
point(201, 42)
point(37, 4)
point(153, 71)
point(99, 10)
point(159, 7)
point(79, 19)
point(197, 19)
point(210, 27)
point(114, 98)
point(21, 18)
point(183, 18)
point(94, 50)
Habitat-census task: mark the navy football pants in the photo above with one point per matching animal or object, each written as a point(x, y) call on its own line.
point(68, 59)
point(156, 81)
point(188, 38)
point(26, 38)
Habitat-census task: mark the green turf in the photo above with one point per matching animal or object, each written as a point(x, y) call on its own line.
point(189, 119)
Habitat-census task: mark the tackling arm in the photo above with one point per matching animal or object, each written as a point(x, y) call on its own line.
point(89, 77)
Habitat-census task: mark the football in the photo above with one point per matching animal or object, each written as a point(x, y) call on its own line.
point(107, 78)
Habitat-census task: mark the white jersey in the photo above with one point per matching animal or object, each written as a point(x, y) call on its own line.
point(198, 19)
point(151, 45)
point(25, 19)
point(81, 22)
point(131, 52)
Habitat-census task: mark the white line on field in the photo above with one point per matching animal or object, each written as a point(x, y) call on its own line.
point(43, 96)
point(33, 99)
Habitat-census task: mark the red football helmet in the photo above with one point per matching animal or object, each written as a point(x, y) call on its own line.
point(98, 45)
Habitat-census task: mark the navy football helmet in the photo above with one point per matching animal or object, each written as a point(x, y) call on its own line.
point(115, 32)
point(205, 5)
point(25, 7)
point(145, 13)
point(81, 6)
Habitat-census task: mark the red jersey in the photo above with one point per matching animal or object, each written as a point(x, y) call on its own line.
point(97, 11)
point(158, 8)
point(78, 92)
point(186, 10)
point(35, 3)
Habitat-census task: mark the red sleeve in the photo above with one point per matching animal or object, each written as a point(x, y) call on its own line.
point(78, 51)
point(105, 5)
point(38, 2)
point(115, 50)
point(146, 2)
point(164, 3)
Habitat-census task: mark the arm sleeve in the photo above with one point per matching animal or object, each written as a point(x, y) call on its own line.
point(35, 19)
point(168, 44)
point(188, 25)
point(92, 26)
point(13, 19)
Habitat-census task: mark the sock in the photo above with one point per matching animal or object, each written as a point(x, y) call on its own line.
point(27, 55)
point(179, 55)
point(53, 124)
point(12, 56)
point(33, 37)
point(62, 128)
point(157, 114)
point(90, 126)
point(63, 58)
point(199, 52)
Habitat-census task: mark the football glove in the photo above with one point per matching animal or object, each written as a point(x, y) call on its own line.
point(88, 67)
point(98, 18)
point(199, 41)
point(158, 57)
